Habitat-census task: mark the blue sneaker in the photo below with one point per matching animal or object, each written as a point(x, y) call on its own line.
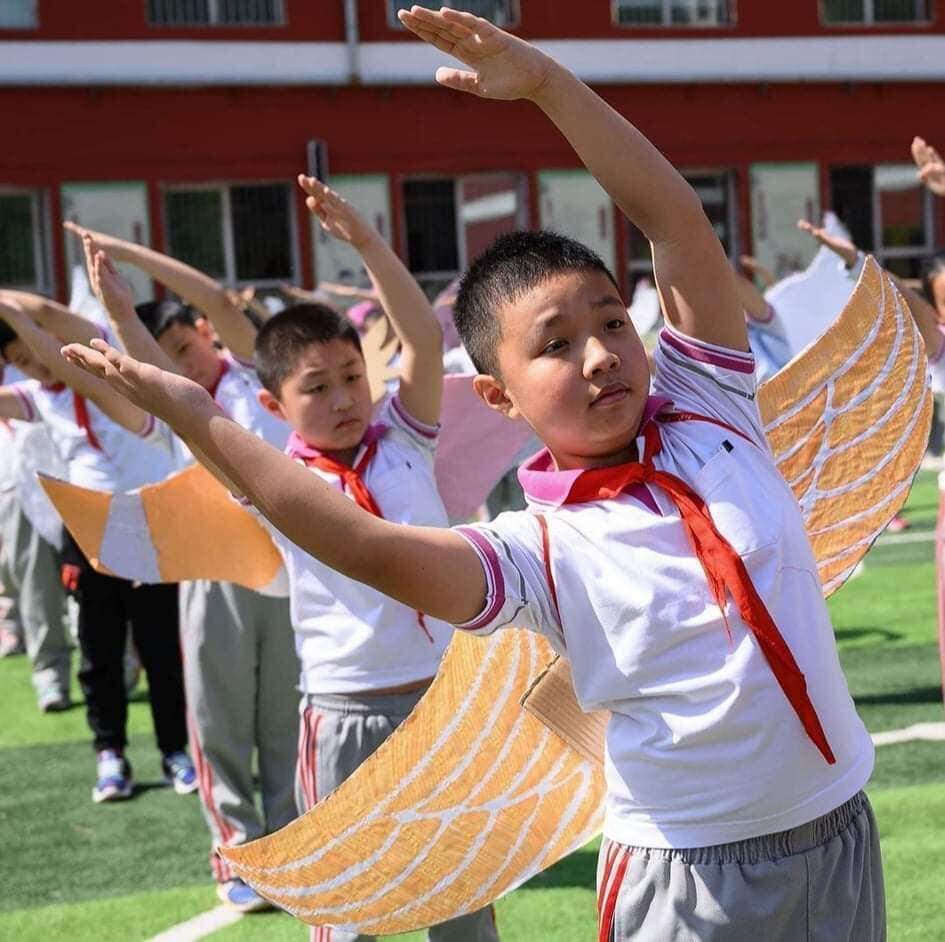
point(113, 777)
point(179, 771)
point(240, 896)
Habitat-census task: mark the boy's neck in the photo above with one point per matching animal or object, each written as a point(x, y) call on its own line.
point(581, 463)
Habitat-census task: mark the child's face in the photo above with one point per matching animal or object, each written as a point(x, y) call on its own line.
point(326, 398)
point(18, 354)
point(193, 352)
point(573, 366)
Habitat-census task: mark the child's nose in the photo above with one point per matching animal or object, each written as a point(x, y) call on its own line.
point(598, 359)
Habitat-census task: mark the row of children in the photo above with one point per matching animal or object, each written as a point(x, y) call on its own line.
point(735, 760)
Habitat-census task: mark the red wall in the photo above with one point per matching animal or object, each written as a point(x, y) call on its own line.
point(323, 20)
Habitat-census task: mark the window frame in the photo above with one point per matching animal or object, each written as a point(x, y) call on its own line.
point(515, 18)
point(41, 226)
point(214, 21)
point(667, 18)
point(458, 179)
point(869, 20)
point(229, 237)
point(884, 254)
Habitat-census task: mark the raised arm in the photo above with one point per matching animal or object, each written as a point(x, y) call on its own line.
point(117, 299)
point(922, 312)
point(693, 275)
point(11, 404)
point(430, 569)
point(406, 306)
point(202, 292)
point(55, 318)
point(930, 165)
point(46, 349)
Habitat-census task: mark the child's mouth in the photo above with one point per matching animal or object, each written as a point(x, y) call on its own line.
point(610, 395)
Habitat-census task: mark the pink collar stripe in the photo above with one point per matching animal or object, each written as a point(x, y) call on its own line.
point(734, 360)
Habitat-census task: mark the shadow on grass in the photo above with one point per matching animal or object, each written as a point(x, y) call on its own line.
point(871, 633)
point(579, 870)
point(915, 695)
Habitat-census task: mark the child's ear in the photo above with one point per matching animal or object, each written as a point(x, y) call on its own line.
point(272, 405)
point(492, 392)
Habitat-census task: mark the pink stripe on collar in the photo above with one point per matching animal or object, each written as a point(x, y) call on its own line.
point(297, 447)
point(544, 484)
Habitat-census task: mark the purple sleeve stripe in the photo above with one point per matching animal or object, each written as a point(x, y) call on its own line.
point(427, 431)
point(766, 318)
point(495, 584)
point(148, 428)
point(26, 400)
point(735, 360)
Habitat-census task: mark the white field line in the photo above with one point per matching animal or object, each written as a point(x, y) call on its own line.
point(200, 926)
point(931, 732)
point(890, 539)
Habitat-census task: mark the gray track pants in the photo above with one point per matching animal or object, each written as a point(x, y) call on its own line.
point(241, 677)
point(820, 882)
point(337, 733)
point(29, 570)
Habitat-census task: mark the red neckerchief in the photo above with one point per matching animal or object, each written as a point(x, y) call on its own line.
point(80, 412)
point(224, 369)
point(724, 568)
point(351, 477)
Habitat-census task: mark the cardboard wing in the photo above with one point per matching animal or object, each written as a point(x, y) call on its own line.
point(187, 527)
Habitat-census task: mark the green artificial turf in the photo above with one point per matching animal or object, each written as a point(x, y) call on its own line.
point(71, 869)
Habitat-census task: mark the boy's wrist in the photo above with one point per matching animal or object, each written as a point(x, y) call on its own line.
point(548, 91)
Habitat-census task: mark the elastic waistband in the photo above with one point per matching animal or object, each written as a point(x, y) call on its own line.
point(388, 704)
point(767, 847)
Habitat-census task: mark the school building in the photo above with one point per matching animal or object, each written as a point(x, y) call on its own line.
point(182, 124)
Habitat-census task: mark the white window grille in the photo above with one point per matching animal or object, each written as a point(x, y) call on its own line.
point(503, 13)
point(239, 233)
point(216, 12)
point(24, 241)
point(674, 12)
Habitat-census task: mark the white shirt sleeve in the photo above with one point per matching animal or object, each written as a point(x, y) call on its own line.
point(408, 429)
point(709, 380)
point(518, 594)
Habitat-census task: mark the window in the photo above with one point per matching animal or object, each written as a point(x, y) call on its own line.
point(18, 14)
point(674, 12)
point(870, 12)
point(24, 246)
point(449, 221)
point(501, 12)
point(716, 189)
point(887, 213)
point(238, 233)
point(215, 12)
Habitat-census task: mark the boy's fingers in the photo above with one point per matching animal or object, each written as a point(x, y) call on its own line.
point(458, 79)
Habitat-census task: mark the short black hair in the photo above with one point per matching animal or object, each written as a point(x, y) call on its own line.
point(932, 267)
point(286, 335)
point(159, 316)
point(513, 265)
point(7, 336)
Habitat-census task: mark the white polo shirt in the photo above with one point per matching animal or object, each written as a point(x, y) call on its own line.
point(937, 363)
point(105, 456)
point(703, 747)
point(350, 637)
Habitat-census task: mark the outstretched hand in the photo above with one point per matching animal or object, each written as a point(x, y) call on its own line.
point(337, 216)
point(168, 396)
point(930, 165)
point(842, 247)
point(503, 66)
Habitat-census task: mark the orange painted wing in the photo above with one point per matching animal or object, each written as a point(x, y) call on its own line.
point(470, 797)
point(848, 423)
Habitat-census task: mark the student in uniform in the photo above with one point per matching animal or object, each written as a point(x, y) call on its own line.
point(661, 553)
point(101, 453)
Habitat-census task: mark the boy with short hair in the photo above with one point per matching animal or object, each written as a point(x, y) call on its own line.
point(734, 757)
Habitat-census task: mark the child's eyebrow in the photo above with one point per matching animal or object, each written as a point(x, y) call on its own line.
point(608, 301)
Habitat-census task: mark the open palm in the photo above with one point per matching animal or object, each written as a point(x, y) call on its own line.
point(504, 67)
point(930, 164)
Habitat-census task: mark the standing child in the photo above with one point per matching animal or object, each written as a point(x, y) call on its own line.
point(661, 552)
point(240, 665)
point(114, 451)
